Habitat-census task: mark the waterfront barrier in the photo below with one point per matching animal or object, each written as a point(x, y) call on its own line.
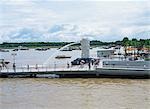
point(78, 71)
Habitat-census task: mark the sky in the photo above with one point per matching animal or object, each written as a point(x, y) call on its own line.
point(71, 20)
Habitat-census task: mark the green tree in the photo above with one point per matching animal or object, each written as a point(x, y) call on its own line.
point(125, 43)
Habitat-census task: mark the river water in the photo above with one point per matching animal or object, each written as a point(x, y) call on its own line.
point(74, 93)
point(44, 93)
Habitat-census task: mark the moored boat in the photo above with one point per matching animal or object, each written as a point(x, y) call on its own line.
point(62, 56)
point(3, 50)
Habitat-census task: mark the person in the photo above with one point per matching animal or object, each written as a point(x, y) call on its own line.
point(36, 66)
point(89, 65)
point(82, 63)
point(14, 67)
point(68, 65)
point(28, 67)
point(3, 63)
point(0, 68)
point(92, 61)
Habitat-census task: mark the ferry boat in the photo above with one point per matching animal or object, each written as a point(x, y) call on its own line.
point(2, 50)
point(41, 49)
point(62, 57)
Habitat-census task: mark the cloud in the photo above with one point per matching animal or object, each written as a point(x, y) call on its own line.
point(25, 13)
point(72, 20)
point(71, 32)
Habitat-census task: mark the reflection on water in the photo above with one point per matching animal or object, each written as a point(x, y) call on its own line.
point(38, 93)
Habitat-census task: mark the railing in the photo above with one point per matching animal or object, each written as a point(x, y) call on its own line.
point(126, 66)
point(42, 68)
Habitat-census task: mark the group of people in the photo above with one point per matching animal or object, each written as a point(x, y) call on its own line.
point(92, 62)
point(2, 64)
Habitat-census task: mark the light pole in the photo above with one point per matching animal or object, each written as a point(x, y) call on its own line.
point(54, 66)
point(14, 54)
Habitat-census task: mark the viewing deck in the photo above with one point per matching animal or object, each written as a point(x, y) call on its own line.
point(78, 71)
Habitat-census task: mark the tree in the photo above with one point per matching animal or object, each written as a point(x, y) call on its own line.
point(125, 43)
point(134, 43)
point(139, 47)
point(125, 40)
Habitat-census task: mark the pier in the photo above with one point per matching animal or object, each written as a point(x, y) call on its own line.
point(78, 71)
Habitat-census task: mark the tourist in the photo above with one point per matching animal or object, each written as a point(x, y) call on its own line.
point(92, 61)
point(89, 65)
point(28, 67)
point(0, 68)
point(36, 66)
point(68, 65)
point(14, 67)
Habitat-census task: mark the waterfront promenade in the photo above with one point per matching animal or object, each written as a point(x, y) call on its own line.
point(78, 71)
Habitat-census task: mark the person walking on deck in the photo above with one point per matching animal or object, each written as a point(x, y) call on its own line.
point(68, 66)
point(28, 67)
point(36, 66)
point(14, 67)
point(89, 64)
point(0, 68)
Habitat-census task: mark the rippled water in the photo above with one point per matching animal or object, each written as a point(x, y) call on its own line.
point(33, 57)
point(38, 93)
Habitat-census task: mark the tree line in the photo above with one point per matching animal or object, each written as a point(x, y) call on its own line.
point(124, 42)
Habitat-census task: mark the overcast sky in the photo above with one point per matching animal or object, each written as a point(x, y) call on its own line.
point(106, 21)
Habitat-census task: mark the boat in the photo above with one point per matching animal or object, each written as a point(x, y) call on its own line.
point(2, 50)
point(66, 50)
point(24, 49)
point(62, 57)
point(41, 49)
point(16, 49)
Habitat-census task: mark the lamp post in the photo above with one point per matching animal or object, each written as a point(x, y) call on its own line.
point(14, 54)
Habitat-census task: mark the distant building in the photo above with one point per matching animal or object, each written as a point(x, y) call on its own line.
point(105, 52)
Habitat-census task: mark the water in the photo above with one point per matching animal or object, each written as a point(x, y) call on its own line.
point(57, 52)
point(32, 57)
point(43, 93)
point(38, 93)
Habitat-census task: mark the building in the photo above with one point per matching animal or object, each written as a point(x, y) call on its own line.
point(105, 52)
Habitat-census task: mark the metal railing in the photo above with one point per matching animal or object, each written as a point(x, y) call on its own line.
point(42, 68)
point(126, 66)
